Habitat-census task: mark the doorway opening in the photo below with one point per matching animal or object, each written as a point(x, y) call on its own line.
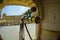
point(11, 17)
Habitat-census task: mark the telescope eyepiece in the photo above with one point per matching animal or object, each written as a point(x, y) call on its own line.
point(33, 9)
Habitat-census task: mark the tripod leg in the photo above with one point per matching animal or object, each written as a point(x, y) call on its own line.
point(21, 33)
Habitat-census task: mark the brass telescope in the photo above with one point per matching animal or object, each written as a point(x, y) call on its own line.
point(28, 16)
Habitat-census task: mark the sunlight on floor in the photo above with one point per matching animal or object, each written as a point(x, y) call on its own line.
point(12, 32)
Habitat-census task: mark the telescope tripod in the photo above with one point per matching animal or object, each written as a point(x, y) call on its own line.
point(21, 33)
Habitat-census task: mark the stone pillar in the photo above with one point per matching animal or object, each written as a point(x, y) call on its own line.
point(50, 9)
point(51, 22)
point(41, 15)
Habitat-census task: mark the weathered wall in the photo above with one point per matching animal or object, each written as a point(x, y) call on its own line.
point(50, 10)
point(51, 15)
point(51, 22)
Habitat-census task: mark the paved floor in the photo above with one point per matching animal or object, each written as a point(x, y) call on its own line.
point(12, 32)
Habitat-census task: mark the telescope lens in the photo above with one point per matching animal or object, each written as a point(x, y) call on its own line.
point(33, 9)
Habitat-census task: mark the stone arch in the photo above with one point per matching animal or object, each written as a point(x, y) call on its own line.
point(28, 3)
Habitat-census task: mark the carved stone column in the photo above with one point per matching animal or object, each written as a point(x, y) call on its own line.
point(41, 14)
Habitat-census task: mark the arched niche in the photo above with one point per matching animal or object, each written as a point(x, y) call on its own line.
point(28, 3)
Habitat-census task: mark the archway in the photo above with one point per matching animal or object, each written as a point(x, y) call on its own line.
point(15, 2)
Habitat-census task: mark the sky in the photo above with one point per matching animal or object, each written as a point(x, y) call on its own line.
point(14, 10)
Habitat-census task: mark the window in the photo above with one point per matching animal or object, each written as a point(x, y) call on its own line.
point(12, 32)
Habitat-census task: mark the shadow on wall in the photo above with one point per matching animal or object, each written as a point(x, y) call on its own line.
point(1, 38)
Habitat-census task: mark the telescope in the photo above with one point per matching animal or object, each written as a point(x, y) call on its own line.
point(29, 17)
